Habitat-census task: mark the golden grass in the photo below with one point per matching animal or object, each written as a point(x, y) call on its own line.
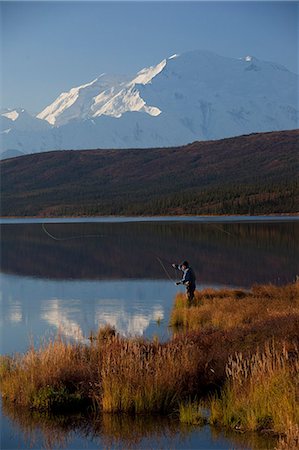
point(226, 309)
point(289, 440)
point(114, 373)
point(45, 376)
point(138, 376)
point(193, 412)
point(261, 391)
point(262, 388)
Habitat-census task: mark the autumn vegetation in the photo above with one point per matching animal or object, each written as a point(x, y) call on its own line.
point(227, 309)
point(252, 174)
point(261, 381)
point(233, 352)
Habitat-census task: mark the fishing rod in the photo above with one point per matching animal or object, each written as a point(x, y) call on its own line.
point(160, 260)
point(165, 270)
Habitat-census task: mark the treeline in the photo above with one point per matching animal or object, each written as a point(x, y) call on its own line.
point(239, 199)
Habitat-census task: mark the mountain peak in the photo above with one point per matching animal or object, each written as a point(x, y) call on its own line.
point(13, 114)
point(146, 75)
point(197, 95)
point(249, 58)
point(77, 103)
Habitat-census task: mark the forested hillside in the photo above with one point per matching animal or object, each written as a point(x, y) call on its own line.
point(253, 174)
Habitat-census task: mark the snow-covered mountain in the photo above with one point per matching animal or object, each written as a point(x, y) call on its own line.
point(193, 96)
point(80, 101)
point(19, 119)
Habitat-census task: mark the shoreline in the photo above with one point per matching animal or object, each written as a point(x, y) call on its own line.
point(157, 218)
point(213, 359)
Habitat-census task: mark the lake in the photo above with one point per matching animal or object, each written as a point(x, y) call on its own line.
point(72, 276)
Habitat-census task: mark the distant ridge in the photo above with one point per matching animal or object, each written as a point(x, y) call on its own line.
point(253, 174)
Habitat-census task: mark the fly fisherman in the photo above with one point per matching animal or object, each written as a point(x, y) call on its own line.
point(188, 279)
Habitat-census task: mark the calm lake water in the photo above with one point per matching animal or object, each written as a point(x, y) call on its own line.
point(72, 276)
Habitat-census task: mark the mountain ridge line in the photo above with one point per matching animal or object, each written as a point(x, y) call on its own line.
point(197, 178)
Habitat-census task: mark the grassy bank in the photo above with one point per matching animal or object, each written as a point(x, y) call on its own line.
point(240, 347)
point(114, 374)
point(261, 386)
point(260, 394)
point(261, 391)
point(226, 309)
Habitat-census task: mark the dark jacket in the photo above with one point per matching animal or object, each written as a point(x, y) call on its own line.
point(189, 276)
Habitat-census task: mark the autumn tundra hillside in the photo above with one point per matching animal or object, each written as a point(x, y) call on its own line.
point(252, 174)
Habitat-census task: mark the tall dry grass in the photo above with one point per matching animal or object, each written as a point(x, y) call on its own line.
point(261, 391)
point(289, 440)
point(226, 309)
point(193, 412)
point(113, 373)
point(53, 375)
point(139, 376)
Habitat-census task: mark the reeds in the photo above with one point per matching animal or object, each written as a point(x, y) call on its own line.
point(138, 376)
point(193, 412)
point(226, 309)
point(47, 377)
point(113, 373)
point(261, 391)
point(289, 440)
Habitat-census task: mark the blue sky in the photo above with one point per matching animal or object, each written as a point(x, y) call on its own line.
point(49, 47)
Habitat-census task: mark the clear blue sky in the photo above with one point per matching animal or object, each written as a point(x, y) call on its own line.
point(49, 47)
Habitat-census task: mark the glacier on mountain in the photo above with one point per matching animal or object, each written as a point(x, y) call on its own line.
point(196, 95)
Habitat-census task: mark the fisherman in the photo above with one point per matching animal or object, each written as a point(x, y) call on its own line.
point(188, 279)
